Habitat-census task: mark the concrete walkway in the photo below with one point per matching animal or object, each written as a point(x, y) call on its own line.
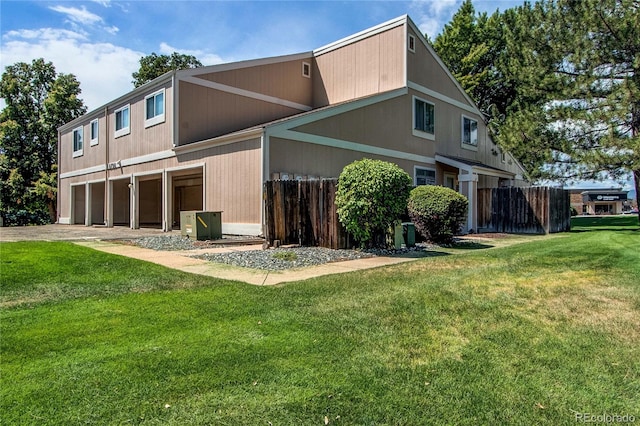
point(182, 261)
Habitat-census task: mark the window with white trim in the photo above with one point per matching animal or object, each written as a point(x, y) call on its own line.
point(424, 176)
point(423, 116)
point(306, 69)
point(93, 132)
point(154, 108)
point(78, 141)
point(122, 121)
point(469, 131)
point(411, 43)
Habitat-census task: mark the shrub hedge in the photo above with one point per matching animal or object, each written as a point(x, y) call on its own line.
point(437, 212)
point(371, 195)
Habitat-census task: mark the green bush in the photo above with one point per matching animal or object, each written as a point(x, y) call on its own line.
point(437, 212)
point(371, 195)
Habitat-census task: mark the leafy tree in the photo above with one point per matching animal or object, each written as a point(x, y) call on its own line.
point(371, 196)
point(38, 101)
point(153, 66)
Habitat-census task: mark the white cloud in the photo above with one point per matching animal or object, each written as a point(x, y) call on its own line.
point(112, 30)
point(104, 3)
point(80, 16)
point(431, 15)
point(103, 69)
point(202, 56)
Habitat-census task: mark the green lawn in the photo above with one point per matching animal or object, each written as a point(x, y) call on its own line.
point(532, 333)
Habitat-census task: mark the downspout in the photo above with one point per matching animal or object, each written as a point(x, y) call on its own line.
point(106, 167)
point(58, 202)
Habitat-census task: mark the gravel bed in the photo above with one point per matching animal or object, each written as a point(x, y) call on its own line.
point(178, 242)
point(284, 258)
point(271, 259)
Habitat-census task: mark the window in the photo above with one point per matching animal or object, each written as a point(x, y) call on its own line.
point(122, 121)
point(412, 43)
point(469, 131)
point(93, 129)
point(424, 176)
point(77, 142)
point(423, 118)
point(154, 108)
point(306, 69)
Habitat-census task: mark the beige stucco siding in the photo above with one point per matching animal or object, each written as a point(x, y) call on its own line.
point(206, 113)
point(370, 66)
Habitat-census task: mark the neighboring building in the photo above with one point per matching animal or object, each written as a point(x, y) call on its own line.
point(600, 201)
point(207, 138)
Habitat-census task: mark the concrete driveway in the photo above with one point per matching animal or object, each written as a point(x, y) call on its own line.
point(74, 233)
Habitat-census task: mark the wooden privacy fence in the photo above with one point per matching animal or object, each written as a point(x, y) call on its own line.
point(529, 210)
point(303, 212)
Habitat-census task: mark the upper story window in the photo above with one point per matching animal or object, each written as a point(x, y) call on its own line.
point(93, 130)
point(154, 108)
point(306, 69)
point(78, 141)
point(122, 121)
point(423, 118)
point(411, 43)
point(469, 131)
point(424, 176)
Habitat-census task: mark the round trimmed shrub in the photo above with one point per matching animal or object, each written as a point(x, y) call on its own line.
point(437, 212)
point(371, 196)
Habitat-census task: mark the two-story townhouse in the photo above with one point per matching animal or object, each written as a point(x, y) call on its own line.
point(208, 138)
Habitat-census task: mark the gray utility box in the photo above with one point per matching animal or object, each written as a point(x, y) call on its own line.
point(201, 225)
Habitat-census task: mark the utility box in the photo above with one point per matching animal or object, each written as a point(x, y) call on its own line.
point(394, 236)
point(409, 233)
point(201, 225)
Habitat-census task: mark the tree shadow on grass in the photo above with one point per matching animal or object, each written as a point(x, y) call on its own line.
point(605, 223)
point(471, 245)
point(419, 254)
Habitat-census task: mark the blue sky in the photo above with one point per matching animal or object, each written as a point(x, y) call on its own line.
point(101, 41)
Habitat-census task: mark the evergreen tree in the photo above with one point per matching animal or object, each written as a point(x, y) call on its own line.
point(579, 100)
point(558, 81)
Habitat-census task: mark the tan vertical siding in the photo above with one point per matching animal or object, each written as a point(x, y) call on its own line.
point(363, 68)
point(424, 69)
point(310, 160)
point(385, 124)
point(206, 113)
point(283, 80)
point(233, 180)
point(141, 140)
